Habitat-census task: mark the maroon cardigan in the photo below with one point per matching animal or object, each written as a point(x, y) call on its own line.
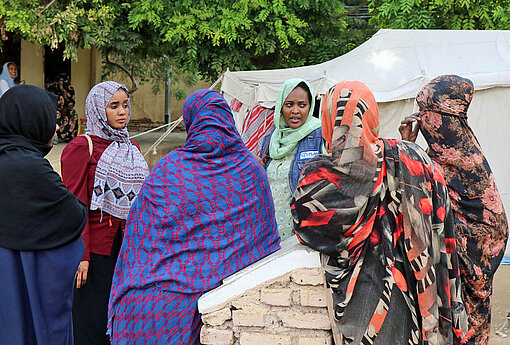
point(78, 175)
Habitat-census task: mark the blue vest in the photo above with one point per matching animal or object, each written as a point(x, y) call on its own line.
point(308, 147)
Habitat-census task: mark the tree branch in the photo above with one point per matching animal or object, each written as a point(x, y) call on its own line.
point(134, 84)
point(354, 10)
point(47, 6)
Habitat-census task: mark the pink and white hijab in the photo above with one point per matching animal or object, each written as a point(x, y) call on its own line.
point(121, 170)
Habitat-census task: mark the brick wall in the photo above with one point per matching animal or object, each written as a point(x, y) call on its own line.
point(287, 310)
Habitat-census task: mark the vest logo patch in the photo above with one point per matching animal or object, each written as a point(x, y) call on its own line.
point(308, 154)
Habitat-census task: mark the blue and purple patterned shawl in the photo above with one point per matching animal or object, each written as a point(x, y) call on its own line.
point(204, 212)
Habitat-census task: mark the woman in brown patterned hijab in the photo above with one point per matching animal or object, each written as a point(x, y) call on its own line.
point(66, 115)
point(481, 227)
point(379, 212)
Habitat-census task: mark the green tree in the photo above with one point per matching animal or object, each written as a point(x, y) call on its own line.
point(441, 14)
point(156, 39)
point(71, 23)
point(209, 36)
point(358, 28)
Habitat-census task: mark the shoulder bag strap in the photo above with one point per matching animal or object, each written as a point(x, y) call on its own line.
point(91, 146)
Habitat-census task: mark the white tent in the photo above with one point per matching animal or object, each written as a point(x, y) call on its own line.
point(395, 65)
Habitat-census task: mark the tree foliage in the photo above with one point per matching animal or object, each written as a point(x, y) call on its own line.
point(159, 38)
point(71, 23)
point(441, 14)
point(209, 36)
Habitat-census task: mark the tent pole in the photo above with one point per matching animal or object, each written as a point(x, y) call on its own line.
point(171, 125)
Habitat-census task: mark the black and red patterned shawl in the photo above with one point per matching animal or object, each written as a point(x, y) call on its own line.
point(379, 212)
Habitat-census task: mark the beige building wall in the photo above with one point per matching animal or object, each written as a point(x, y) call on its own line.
point(32, 64)
point(95, 66)
point(176, 105)
point(80, 80)
point(86, 72)
point(146, 104)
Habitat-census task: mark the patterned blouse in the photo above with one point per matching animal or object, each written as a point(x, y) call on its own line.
point(278, 176)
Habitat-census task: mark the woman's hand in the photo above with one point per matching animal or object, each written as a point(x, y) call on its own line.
point(81, 274)
point(409, 127)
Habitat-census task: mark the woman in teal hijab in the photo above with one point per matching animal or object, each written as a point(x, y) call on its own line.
point(297, 137)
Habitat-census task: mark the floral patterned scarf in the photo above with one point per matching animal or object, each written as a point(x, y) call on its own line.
point(121, 170)
point(453, 145)
point(379, 212)
point(67, 119)
point(480, 222)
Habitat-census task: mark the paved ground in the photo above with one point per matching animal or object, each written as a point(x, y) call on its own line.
point(501, 298)
point(501, 305)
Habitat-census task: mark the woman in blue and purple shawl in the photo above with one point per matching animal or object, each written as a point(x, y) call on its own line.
point(204, 212)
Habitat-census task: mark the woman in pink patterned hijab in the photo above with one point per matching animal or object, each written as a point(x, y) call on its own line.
point(106, 174)
point(121, 164)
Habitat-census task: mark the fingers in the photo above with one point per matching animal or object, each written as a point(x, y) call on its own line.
point(84, 277)
point(78, 281)
point(409, 127)
point(405, 130)
point(404, 127)
point(81, 274)
point(77, 277)
point(416, 129)
point(411, 118)
point(81, 278)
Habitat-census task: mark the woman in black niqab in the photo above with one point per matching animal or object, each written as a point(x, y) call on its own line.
point(40, 224)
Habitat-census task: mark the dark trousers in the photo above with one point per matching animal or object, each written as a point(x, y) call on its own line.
point(90, 302)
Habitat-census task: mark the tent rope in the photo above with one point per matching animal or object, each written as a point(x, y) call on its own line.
point(171, 126)
point(323, 78)
point(152, 130)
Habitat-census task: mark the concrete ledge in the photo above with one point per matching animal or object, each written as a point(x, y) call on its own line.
point(291, 256)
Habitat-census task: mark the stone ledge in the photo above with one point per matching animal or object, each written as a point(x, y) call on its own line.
point(290, 257)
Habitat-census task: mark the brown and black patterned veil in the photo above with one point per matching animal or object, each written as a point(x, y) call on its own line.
point(481, 226)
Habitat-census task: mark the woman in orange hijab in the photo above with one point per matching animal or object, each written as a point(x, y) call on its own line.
point(379, 212)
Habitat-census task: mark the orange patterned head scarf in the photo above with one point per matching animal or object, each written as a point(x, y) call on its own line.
point(339, 193)
point(350, 125)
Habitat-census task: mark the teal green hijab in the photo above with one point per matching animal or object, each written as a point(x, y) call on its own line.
point(285, 139)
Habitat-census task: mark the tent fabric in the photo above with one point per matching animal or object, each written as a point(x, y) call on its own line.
point(256, 124)
point(395, 65)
